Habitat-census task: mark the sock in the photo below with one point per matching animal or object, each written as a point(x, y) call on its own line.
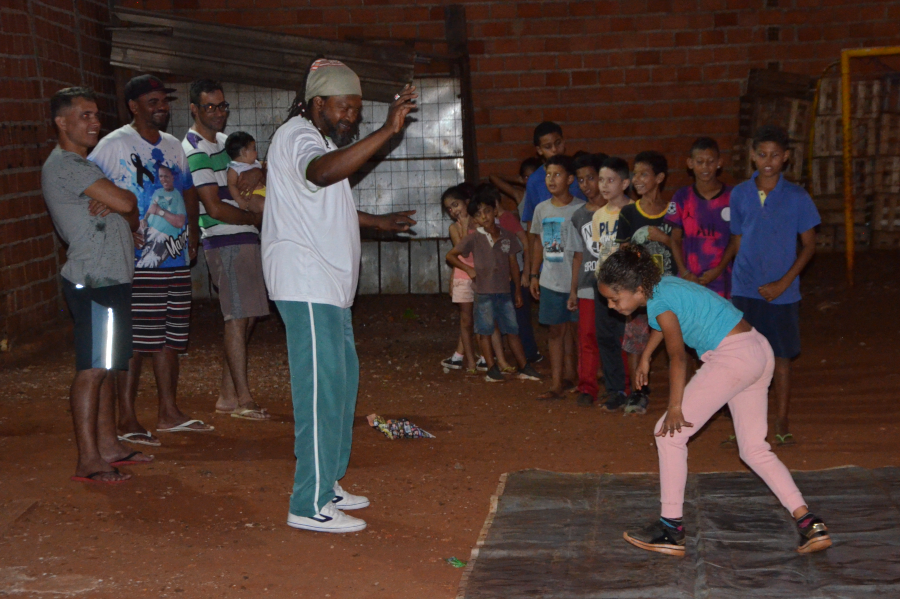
point(457, 356)
point(674, 523)
point(804, 520)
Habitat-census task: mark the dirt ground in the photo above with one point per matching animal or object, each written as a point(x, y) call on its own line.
point(207, 518)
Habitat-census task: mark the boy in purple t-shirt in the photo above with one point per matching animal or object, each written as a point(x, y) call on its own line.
point(701, 222)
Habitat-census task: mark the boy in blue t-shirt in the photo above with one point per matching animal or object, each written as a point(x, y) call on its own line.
point(767, 214)
point(548, 142)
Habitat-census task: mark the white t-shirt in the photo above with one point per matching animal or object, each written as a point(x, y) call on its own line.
point(310, 234)
point(133, 163)
point(209, 166)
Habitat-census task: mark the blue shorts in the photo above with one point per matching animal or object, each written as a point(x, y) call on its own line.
point(779, 323)
point(553, 308)
point(495, 309)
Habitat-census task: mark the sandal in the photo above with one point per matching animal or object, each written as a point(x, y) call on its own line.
point(140, 439)
point(731, 441)
point(92, 478)
point(549, 396)
point(250, 413)
point(128, 461)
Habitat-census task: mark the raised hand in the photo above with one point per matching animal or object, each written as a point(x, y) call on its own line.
point(400, 107)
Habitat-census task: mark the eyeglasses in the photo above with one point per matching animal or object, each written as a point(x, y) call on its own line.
point(211, 108)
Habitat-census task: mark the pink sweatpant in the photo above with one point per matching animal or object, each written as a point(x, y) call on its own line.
point(737, 372)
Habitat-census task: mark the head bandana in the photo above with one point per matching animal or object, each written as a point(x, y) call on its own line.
point(331, 78)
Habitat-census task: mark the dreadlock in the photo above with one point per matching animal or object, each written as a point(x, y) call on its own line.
point(629, 268)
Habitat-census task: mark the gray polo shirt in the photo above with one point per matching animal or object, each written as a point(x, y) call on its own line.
point(101, 249)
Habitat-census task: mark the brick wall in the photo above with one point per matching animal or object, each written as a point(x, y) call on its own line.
point(621, 76)
point(44, 46)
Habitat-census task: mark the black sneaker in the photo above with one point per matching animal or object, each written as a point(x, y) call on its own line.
point(494, 375)
point(452, 363)
point(637, 403)
point(538, 358)
point(528, 373)
point(614, 401)
point(660, 538)
point(585, 399)
point(813, 534)
point(481, 364)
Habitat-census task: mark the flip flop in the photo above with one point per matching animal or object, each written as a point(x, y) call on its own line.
point(91, 478)
point(785, 439)
point(549, 396)
point(251, 414)
point(185, 427)
point(140, 439)
point(731, 441)
point(569, 387)
point(127, 461)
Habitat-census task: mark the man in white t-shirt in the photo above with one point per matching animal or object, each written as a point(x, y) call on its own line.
point(230, 238)
point(311, 253)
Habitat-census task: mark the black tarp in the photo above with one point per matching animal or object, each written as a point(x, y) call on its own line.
point(560, 535)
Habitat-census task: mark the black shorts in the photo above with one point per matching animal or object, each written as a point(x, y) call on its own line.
point(102, 325)
point(779, 323)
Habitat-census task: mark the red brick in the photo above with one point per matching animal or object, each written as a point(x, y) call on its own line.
point(725, 19)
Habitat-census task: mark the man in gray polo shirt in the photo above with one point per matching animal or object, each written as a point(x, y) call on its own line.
point(95, 219)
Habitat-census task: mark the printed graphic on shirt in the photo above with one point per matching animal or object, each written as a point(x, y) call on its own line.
point(165, 217)
point(606, 232)
point(551, 237)
point(660, 253)
point(157, 175)
point(705, 223)
point(589, 264)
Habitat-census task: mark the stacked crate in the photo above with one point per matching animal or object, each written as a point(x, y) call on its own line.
point(886, 202)
point(774, 98)
point(826, 181)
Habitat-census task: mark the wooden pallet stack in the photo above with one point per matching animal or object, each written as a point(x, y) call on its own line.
point(826, 181)
point(886, 201)
point(774, 98)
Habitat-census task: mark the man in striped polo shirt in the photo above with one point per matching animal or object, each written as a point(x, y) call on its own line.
point(230, 238)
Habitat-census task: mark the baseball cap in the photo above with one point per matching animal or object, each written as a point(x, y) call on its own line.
point(144, 84)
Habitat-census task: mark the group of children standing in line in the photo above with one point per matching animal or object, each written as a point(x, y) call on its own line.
point(577, 211)
point(616, 275)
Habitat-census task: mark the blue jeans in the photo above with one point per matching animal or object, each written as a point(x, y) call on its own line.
point(523, 318)
point(495, 309)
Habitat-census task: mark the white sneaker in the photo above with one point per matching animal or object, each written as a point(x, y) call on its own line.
point(330, 519)
point(347, 501)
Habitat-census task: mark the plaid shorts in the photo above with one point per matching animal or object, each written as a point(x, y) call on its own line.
point(161, 309)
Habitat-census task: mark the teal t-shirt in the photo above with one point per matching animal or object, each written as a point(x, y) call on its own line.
point(705, 317)
point(170, 201)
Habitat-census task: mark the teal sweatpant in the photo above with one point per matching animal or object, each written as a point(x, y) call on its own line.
point(324, 384)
